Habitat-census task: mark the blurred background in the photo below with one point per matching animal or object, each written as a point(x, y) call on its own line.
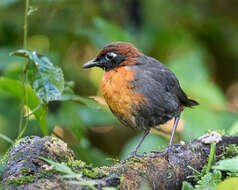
point(198, 40)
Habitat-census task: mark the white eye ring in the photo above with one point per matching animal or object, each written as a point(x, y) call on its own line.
point(110, 55)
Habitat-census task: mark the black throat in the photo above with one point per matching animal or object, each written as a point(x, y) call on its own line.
point(109, 65)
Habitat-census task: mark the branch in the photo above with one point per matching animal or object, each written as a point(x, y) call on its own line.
point(25, 170)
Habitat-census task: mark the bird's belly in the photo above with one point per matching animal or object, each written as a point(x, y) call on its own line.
point(117, 90)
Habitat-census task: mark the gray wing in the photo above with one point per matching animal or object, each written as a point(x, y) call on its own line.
point(161, 89)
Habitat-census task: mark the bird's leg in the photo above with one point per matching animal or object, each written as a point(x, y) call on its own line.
point(174, 130)
point(167, 149)
point(133, 154)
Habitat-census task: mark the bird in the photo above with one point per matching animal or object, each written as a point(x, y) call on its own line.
point(139, 90)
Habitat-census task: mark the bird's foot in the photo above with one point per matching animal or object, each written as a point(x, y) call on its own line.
point(164, 152)
point(133, 156)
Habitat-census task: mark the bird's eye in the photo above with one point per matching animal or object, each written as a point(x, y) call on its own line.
point(109, 56)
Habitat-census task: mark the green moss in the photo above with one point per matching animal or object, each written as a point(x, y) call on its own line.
point(5, 156)
point(94, 173)
point(232, 150)
point(130, 163)
point(22, 180)
point(113, 160)
point(222, 132)
point(228, 152)
point(25, 170)
point(136, 159)
point(170, 173)
point(23, 140)
point(29, 178)
point(76, 165)
point(142, 173)
point(80, 166)
point(16, 144)
point(53, 139)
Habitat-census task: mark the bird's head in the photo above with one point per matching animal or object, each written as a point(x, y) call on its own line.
point(115, 54)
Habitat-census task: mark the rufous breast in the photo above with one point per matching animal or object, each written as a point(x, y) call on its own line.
point(117, 89)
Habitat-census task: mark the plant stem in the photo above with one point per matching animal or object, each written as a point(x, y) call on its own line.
point(25, 24)
point(211, 157)
point(24, 74)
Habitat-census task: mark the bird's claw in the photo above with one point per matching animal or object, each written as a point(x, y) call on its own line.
point(160, 152)
point(133, 155)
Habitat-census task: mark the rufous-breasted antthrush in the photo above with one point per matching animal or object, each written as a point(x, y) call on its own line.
point(139, 90)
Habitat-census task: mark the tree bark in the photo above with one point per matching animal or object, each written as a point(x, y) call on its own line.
point(25, 168)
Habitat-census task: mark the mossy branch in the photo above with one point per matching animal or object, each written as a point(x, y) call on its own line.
point(25, 168)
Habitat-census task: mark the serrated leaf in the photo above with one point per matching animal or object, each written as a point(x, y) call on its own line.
point(15, 88)
point(230, 164)
point(46, 79)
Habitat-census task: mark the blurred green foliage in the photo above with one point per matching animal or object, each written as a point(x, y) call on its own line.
point(196, 39)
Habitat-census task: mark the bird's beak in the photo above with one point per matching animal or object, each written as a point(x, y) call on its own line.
point(92, 63)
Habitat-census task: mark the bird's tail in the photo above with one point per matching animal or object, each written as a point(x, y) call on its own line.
point(190, 103)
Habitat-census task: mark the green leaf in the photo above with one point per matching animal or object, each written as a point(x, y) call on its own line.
point(209, 181)
point(15, 88)
point(4, 137)
point(63, 168)
point(230, 164)
point(228, 184)
point(46, 79)
point(68, 95)
point(187, 186)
